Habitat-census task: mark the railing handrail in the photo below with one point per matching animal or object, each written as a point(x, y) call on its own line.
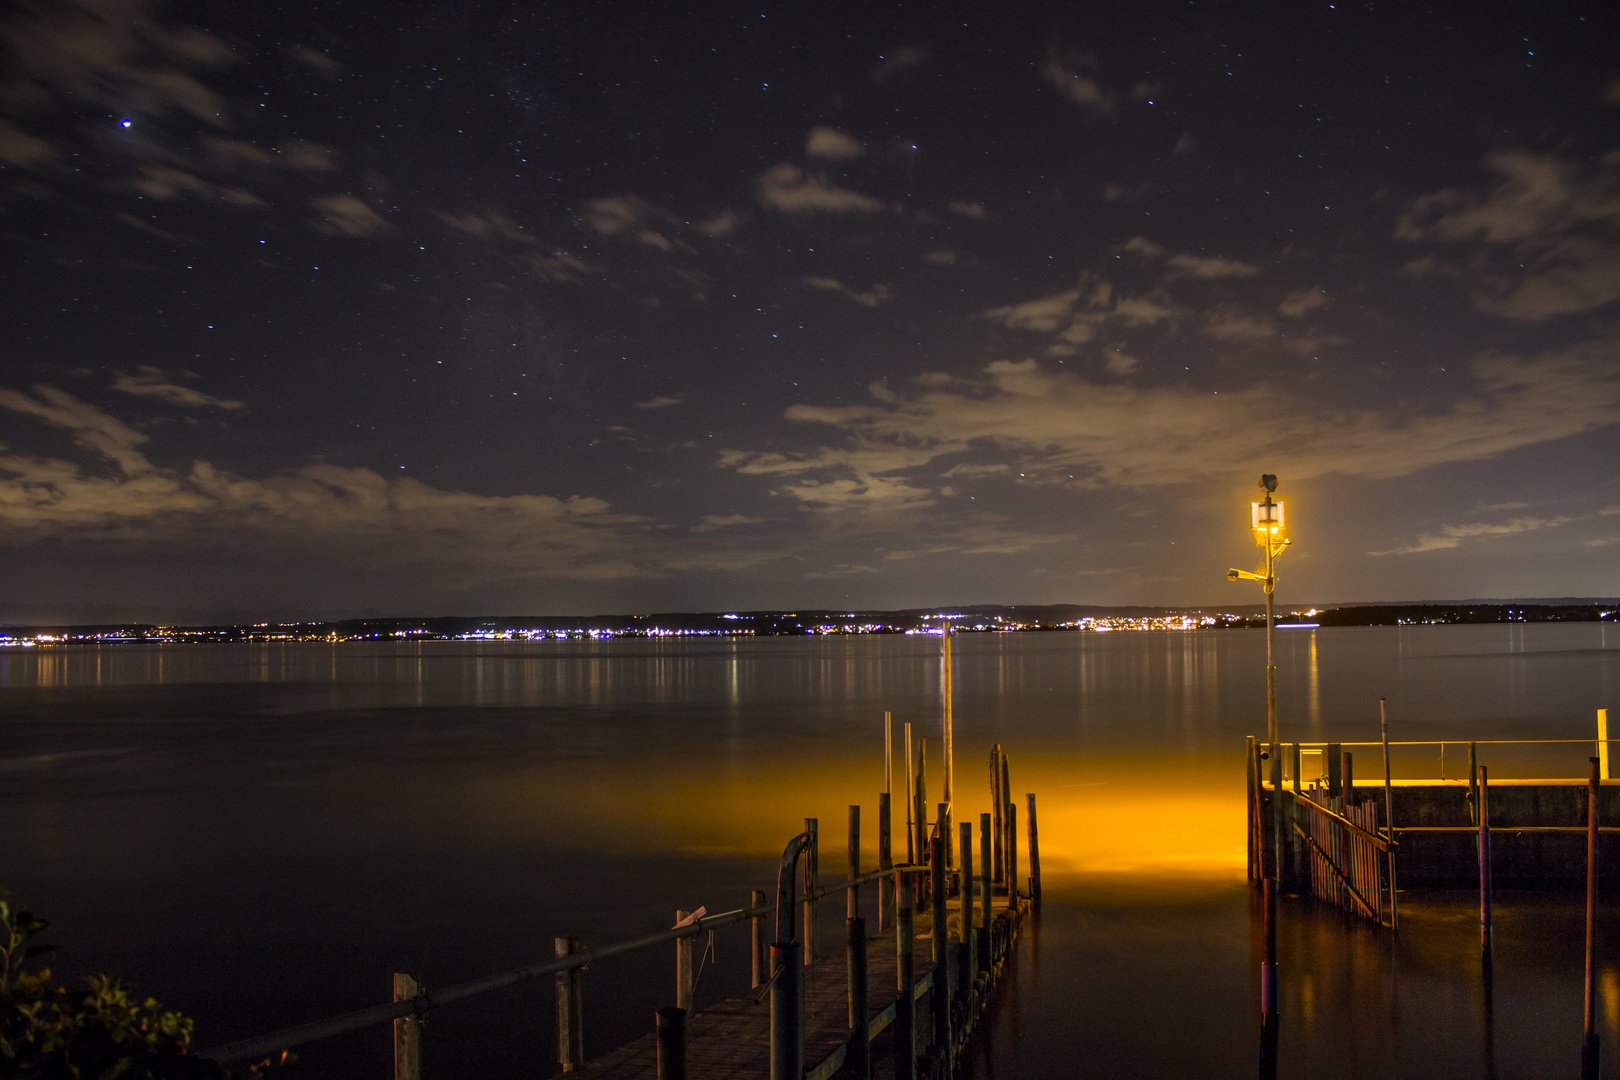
point(1442, 742)
point(315, 1030)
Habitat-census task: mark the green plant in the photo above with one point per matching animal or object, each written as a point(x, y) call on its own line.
point(100, 1033)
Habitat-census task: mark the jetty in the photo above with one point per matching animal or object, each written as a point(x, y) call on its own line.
point(902, 999)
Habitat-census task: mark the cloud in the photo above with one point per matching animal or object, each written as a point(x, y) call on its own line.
point(381, 520)
point(712, 522)
point(967, 209)
point(830, 144)
point(722, 224)
point(1141, 245)
point(898, 62)
point(346, 215)
point(871, 298)
point(1544, 240)
point(22, 150)
point(791, 190)
point(156, 383)
point(1232, 326)
point(1055, 424)
point(168, 183)
point(1209, 267)
point(1451, 536)
point(942, 257)
point(663, 401)
point(842, 570)
point(1300, 301)
point(316, 61)
point(1075, 74)
point(1076, 316)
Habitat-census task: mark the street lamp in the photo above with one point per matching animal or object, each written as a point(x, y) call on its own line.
point(1266, 519)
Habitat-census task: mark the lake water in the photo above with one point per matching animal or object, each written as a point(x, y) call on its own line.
point(260, 835)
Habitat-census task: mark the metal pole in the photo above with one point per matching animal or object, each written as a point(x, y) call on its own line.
point(1389, 818)
point(1603, 744)
point(787, 1037)
point(1485, 914)
point(1589, 1039)
point(1268, 972)
point(671, 1044)
point(761, 959)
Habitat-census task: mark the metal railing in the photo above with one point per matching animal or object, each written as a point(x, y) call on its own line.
point(419, 1005)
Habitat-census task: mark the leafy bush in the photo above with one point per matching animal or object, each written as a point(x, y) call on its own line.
point(101, 1033)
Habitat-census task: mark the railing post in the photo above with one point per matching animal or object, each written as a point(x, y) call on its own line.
point(787, 994)
point(671, 1044)
point(1589, 1035)
point(407, 1031)
point(812, 877)
point(885, 860)
point(685, 972)
point(939, 998)
point(986, 843)
point(570, 1010)
point(852, 895)
point(905, 1008)
point(1034, 855)
point(1485, 915)
point(761, 959)
point(858, 1057)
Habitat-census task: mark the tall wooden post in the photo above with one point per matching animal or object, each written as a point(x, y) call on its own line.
point(969, 921)
point(570, 1010)
point(407, 1031)
point(761, 959)
point(1389, 818)
point(1485, 913)
point(1034, 856)
point(997, 797)
point(921, 795)
point(1012, 856)
point(852, 895)
point(905, 1008)
point(1006, 797)
point(986, 842)
point(885, 860)
point(940, 997)
point(1589, 1036)
point(858, 1056)
point(787, 1008)
point(911, 801)
point(671, 1044)
point(685, 968)
point(812, 882)
point(948, 753)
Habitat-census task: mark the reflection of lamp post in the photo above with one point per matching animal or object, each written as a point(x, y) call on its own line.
point(1266, 518)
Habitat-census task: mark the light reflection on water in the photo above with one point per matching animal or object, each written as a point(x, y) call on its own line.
point(261, 833)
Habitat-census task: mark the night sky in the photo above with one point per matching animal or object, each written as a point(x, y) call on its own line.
point(361, 308)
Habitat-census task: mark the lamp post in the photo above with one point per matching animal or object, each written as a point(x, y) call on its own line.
point(1266, 518)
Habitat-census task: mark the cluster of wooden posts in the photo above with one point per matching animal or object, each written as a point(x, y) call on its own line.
point(969, 953)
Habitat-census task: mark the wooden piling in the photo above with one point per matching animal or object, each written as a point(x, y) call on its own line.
point(812, 882)
point(947, 750)
point(787, 1011)
point(570, 1010)
point(407, 1031)
point(922, 799)
point(761, 959)
point(672, 1044)
point(1012, 856)
point(1389, 818)
point(1589, 1036)
point(1006, 825)
point(969, 920)
point(905, 1006)
point(1485, 913)
point(939, 998)
point(885, 860)
point(986, 879)
point(858, 1058)
point(911, 801)
point(1034, 855)
point(852, 895)
point(997, 797)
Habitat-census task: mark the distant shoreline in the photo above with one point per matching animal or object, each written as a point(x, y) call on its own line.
point(976, 619)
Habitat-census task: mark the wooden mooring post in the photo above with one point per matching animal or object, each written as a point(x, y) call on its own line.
point(570, 1010)
point(997, 797)
point(812, 879)
point(852, 895)
point(885, 861)
point(1012, 856)
point(407, 1031)
point(1589, 1035)
point(970, 951)
point(986, 881)
point(939, 998)
point(905, 1006)
point(1034, 855)
point(1486, 916)
point(858, 1058)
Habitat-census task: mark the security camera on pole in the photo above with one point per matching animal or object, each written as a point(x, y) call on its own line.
point(1266, 518)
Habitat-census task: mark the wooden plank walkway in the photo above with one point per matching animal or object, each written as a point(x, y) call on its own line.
point(731, 1040)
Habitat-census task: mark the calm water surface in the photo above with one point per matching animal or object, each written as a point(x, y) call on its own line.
point(260, 835)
